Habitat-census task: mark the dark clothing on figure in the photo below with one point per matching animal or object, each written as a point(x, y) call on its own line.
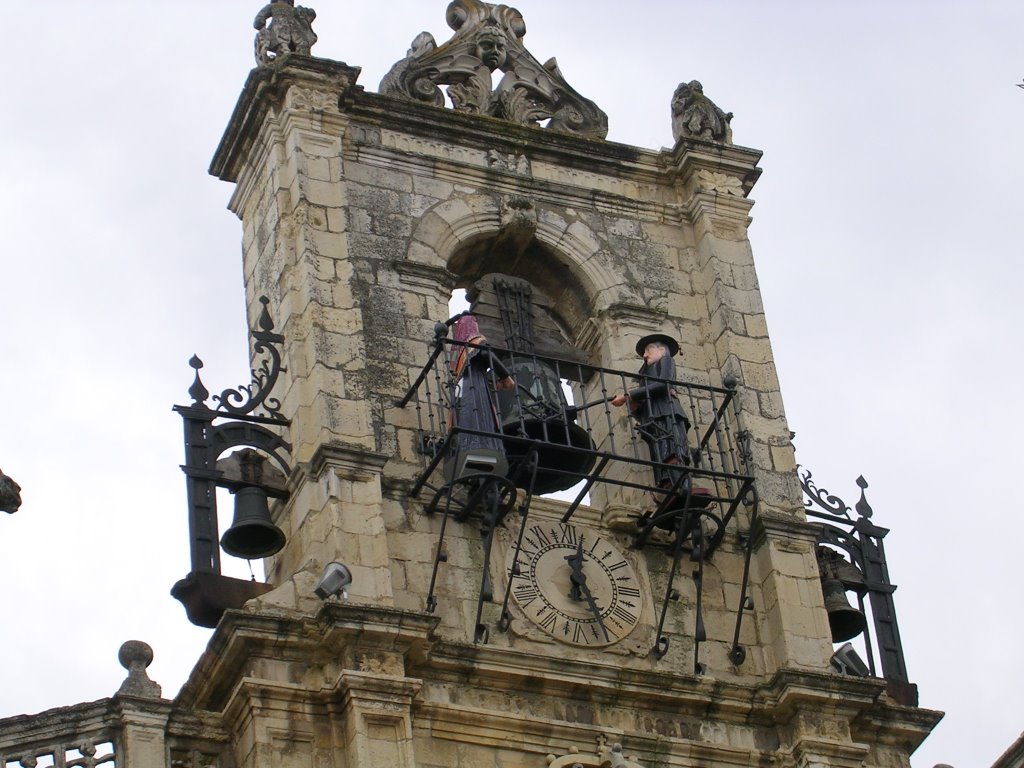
point(660, 420)
point(473, 407)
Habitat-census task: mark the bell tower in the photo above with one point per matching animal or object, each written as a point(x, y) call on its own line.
point(561, 527)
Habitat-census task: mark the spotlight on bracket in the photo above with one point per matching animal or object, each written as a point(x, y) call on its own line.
point(336, 578)
point(846, 661)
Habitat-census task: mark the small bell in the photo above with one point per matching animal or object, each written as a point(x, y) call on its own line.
point(252, 534)
point(837, 575)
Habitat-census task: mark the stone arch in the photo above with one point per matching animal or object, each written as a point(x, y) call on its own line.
point(561, 256)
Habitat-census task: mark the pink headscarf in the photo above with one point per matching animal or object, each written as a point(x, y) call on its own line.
point(466, 329)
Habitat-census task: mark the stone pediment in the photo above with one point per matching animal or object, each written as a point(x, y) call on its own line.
point(489, 39)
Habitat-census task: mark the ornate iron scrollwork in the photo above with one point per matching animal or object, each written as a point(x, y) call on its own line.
point(244, 399)
point(821, 497)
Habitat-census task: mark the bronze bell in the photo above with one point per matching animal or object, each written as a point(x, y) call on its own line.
point(845, 621)
point(837, 575)
point(539, 412)
point(252, 534)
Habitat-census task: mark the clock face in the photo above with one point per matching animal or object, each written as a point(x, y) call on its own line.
point(574, 585)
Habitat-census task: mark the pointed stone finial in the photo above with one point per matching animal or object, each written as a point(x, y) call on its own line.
point(695, 116)
point(290, 30)
point(136, 656)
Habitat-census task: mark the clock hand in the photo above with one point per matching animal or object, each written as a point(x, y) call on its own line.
point(579, 587)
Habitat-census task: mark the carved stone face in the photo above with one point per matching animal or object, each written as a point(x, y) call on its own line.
point(653, 352)
point(490, 49)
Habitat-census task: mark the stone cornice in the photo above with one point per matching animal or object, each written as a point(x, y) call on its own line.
point(241, 638)
point(487, 133)
point(356, 459)
point(894, 724)
point(873, 716)
point(504, 669)
point(57, 723)
point(224, 677)
point(790, 695)
point(690, 156)
point(770, 703)
point(781, 526)
point(328, 454)
point(266, 87)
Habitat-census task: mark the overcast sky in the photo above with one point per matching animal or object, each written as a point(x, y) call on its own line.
point(886, 233)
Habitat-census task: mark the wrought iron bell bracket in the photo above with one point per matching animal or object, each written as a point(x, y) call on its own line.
point(248, 418)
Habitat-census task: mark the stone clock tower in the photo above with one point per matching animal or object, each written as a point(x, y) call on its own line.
point(678, 614)
point(555, 558)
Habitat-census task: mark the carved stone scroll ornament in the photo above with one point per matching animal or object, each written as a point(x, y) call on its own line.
point(489, 38)
point(695, 116)
point(290, 31)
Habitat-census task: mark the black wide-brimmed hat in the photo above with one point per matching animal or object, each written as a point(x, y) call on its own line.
point(668, 341)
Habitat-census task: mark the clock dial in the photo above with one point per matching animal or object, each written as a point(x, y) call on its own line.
point(574, 585)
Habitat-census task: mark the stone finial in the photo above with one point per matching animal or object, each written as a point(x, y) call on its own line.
point(695, 116)
point(10, 494)
point(290, 31)
point(489, 39)
point(136, 656)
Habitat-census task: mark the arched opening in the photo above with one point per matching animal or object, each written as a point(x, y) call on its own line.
point(550, 273)
point(520, 317)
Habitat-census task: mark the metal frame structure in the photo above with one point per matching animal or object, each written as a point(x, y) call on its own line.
point(242, 417)
point(691, 516)
point(861, 540)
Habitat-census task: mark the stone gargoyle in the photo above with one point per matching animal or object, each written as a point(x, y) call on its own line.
point(695, 116)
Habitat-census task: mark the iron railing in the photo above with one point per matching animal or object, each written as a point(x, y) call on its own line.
point(542, 423)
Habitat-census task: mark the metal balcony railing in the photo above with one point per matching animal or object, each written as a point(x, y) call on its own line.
point(495, 426)
point(563, 410)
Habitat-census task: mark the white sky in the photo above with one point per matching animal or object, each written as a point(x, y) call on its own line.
point(887, 237)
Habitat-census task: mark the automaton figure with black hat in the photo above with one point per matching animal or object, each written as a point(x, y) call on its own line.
point(655, 407)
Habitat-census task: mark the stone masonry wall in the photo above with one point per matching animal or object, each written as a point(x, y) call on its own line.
point(358, 228)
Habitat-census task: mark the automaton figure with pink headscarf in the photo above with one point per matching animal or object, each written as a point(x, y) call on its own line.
point(476, 374)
